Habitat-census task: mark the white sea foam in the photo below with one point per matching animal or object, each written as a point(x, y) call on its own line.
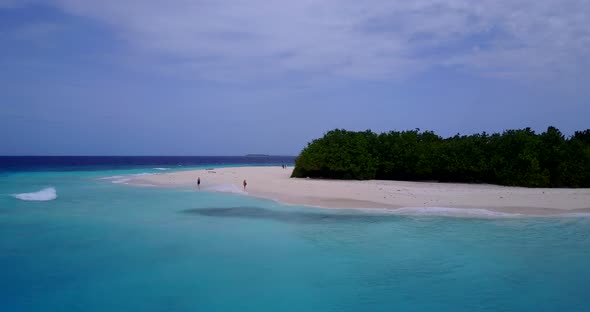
point(575, 215)
point(115, 178)
point(226, 188)
point(42, 195)
point(123, 179)
point(447, 211)
point(162, 169)
point(144, 184)
point(111, 177)
point(474, 212)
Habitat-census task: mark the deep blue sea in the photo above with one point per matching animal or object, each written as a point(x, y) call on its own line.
point(72, 240)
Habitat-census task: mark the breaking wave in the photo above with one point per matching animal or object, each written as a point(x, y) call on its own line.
point(460, 212)
point(42, 195)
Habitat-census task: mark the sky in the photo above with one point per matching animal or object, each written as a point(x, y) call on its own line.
point(216, 77)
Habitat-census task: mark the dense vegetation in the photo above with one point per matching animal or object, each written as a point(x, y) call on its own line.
point(515, 157)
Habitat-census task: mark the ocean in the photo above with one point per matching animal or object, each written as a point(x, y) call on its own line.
point(75, 237)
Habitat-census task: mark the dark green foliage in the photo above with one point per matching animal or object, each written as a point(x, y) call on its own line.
point(340, 154)
point(515, 157)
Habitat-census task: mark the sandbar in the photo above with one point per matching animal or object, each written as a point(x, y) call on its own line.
point(275, 183)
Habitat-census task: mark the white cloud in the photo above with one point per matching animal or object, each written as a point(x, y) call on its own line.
point(351, 38)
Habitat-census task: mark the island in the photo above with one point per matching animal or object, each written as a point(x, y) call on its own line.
point(517, 172)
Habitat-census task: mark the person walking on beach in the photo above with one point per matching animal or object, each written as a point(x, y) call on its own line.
point(245, 184)
point(199, 183)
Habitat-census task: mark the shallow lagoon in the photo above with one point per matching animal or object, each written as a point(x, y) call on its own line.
point(103, 246)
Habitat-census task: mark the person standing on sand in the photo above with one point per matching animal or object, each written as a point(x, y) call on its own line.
point(245, 184)
point(199, 183)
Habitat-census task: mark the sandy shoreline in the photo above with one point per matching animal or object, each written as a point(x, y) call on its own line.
point(274, 183)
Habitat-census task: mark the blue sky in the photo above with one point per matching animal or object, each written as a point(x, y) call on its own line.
point(221, 77)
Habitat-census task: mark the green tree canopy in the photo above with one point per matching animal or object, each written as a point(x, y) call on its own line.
point(514, 157)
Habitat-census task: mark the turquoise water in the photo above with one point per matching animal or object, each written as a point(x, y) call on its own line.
point(101, 246)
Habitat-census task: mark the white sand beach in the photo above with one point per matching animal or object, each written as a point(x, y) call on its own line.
point(275, 183)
